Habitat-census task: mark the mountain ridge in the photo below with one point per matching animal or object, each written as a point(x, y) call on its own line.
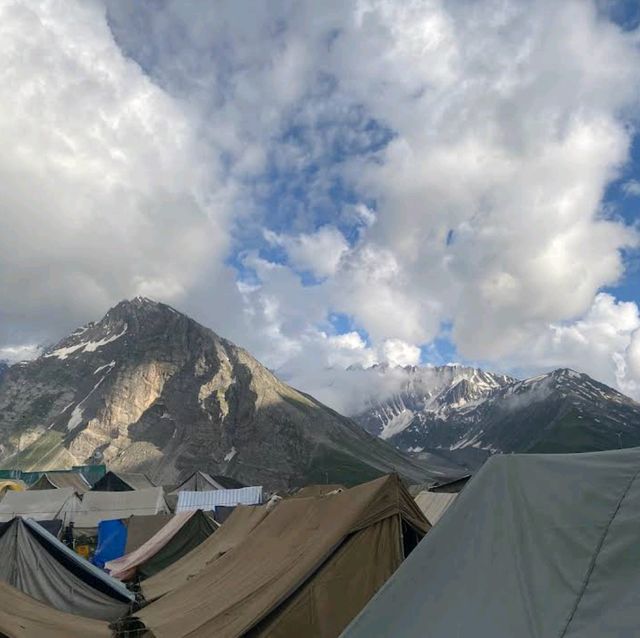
point(147, 388)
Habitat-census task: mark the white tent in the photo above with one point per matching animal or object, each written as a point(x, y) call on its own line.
point(41, 505)
point(434, 504)
point(104, 506)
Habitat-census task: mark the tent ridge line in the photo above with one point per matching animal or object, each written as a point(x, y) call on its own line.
point(596, 553)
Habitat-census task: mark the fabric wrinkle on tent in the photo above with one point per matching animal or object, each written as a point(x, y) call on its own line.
point(21, 616)
point(207, 501)
point(434, 504)
point(306, 570)
point(243, 520)
point(141, 528)
point(40, 504)
point(177, 538)
point(536, 545)
point(38, 564)
point(106, 506)
point(112, 540)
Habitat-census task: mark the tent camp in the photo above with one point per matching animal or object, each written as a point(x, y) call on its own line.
point(24, 617)
point(306, 570)
point(535, 546)
point(59, 480)
point(38, 564)
point(434, 504)
point(242, 521)
point(40, 504)
point(177, 538)
point(207, 501)
point(121, 482)
point(104, 506)
point(141, 528)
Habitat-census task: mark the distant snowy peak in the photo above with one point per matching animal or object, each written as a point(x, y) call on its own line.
point(433, 391)
point(468, 413)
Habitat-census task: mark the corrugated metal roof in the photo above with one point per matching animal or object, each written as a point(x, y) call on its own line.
point(208, 501)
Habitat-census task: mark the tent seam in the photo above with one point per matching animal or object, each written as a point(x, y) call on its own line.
point(596, 553)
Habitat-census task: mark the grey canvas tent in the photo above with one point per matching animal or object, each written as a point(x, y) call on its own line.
point(535, 546)
point(306, 570)
point(104, 506)
point(38, 564)
point(40, 505)
point(177, 538)
point(24, 617)
point(203, 482)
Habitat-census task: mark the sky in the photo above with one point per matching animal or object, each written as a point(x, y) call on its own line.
point(329, 184)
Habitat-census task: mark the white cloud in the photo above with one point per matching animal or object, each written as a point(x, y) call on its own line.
point(104, 194)
point(14, 354)
point(631, 188)
point(400, 353)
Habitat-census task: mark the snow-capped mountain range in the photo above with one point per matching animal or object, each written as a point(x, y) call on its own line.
point(466, 413)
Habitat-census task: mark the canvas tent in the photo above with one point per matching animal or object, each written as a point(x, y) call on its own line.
point(535, 546)
point(40, 504)
point(434, 504)
point(104, 506)
point(38, 564)
point(122, 482)
point(306, 570)
point(24, 617)
point(207, 501)
point(236, 528)
point(203, 482)
point(141, 528)
point(58, 480)
point(176, 539)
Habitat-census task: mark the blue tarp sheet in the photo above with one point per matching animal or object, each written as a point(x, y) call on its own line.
point(112, 540)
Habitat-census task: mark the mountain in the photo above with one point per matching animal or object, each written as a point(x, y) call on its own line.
point(148, 389)
point(465, 413)
point(3, 368)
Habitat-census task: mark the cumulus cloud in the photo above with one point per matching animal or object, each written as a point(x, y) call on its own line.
point(429, 163)
point(103, 191)
point(631, 188)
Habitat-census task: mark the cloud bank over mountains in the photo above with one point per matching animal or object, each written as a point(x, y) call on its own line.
point(327, 187)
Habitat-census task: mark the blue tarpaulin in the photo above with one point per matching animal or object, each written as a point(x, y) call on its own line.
point(112, 540)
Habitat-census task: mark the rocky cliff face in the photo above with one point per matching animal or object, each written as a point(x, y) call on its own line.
point(149, 389)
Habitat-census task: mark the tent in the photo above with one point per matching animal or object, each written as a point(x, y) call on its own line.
point(106, 506)
point(121, 482)
point(207, 501)
point(536, 545)
point(177, 538)
point(306, 570)
point(203, 482)
point(40, 504)
point(434, 504)
point(58, 480)
point(141, 528)
point(38, 564)
point(236, 528)
point(317, 490)
point(24, 617)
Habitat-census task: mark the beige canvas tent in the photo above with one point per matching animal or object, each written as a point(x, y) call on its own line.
point(243, 520)
point(23, 617)
point(434, 504)
point(306, 570)
point(41, 505)
point(104, 506)
point(141, 528)
point(59, 480)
